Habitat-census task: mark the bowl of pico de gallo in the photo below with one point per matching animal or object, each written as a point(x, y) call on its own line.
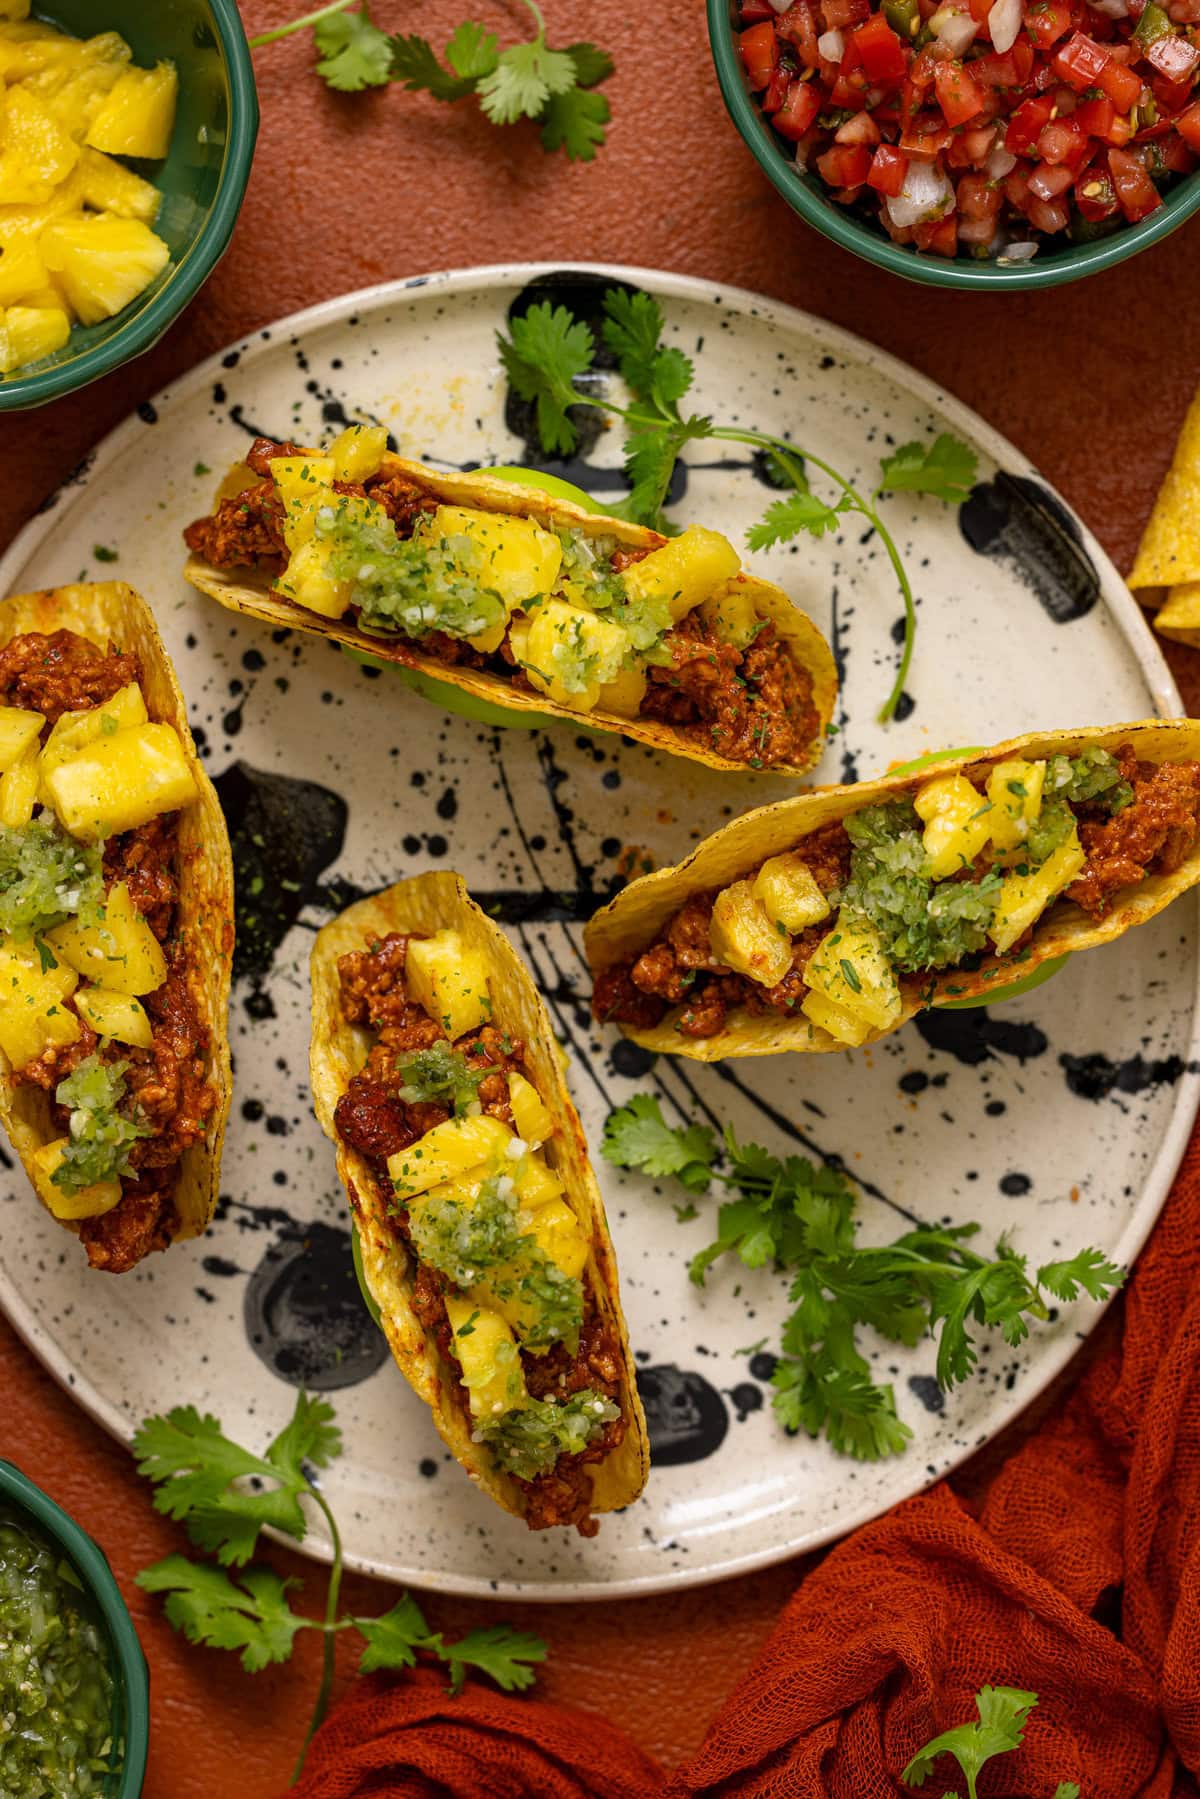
point(972, 143)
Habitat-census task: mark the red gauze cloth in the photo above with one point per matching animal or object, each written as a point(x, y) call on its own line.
point(1079, 1578)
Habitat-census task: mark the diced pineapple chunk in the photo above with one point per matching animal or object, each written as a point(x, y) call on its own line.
point(732, 614)
point(73, 730)
point(19, 790)
point(685, 571)
point(624, 696)
point(571, 654)
point(358, 451)
point(27, 333)
point(488, 1357)
point(841, 1024)
point(447, 1152)
point(33, 1017)
point(22, 272)
point(119, 952)
point(25, 224)
point(304, 487)
point(75, 86)
point(307, 580)
point(1024, 897)
point(112, 1014)
point(745, 939)
point(785, 889)
point(1015, 790)
point(36, 153)
point(14, 9)
point(559, 1235)
point(19, 729)
point(450, 981)
point(103, 262)
point(536, 1184)
point(519, 560)
point(138, 117)
point(89, 1202)
point(116, 783)
point(109, 186)
point(850, 968)
point(531, 1115)
point(958, 822)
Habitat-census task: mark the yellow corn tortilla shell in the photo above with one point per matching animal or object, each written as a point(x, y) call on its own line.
point(1180, 614)
point(632, 921)
point(1169, 553)
point(109, 612)
point(425, 905)
point(250, 591)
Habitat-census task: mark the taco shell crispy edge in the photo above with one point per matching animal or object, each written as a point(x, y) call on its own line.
point(635, 917)
point(111, 612)
point(251, 593)
point(426, 904)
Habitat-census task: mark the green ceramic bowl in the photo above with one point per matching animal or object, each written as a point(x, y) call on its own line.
point(131, 1705)
point(203, 179)
point(808, 195)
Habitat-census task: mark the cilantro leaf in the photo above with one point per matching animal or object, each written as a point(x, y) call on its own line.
point(354, 53)
point(945, 468)
point(1066, 1789)
point(592, 65)
point(251, 1614)
point(496, 1650)
point(546, 349)
point(1003, 1714)
point(574, 122)
point(1089, 1270)
point(472, 51)
point(785, 519)
point(859, 1418)
point(633, 329)
point(637, 1136)
point(523, 80)
point(394, 1638)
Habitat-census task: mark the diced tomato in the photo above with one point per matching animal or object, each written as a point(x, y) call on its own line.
point(979, 10)
point(1121, 84)
point(978, 198)
point(1170, 96)
point(925, 135)
point(850, 90)
point(1120, 131)
point(1046, 20)
point(1049, 180)
point(1175, 156)
point(1062, 141)
point(1026, 125)
point(1172, 56)
point(941, 237)
point(1095, 195)
point(923, 68)
point(1095, 116)
point(888, 169)
point(1013, 69)
point(958, 96)
point(881, 50)
point(1080, 62)
point(841, 13)
point(1047, 215)
point(798, 114)
point(861, 129)
point(798, 28)
point(1016, 188)
point(760, 53)
point(1188, 125)
point(845, 165)
point(1136, 192)
point(752, 12)
point(777, 89)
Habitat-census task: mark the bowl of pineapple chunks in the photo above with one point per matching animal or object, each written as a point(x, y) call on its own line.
point(126, 137)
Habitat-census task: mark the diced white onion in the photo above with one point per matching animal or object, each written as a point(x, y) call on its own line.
point(516, 1149)
point(1005, 20)
point(1019, 252)
point(954, 30)
point(832, 46)
point(926, 194)
point(781, 5)
point(1000, 162)
point(1111, 9)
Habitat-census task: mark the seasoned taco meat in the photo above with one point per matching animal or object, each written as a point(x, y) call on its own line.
point(1153, 833)
point(60, 673)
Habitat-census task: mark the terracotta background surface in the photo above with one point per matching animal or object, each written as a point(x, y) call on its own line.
point(1091, 381)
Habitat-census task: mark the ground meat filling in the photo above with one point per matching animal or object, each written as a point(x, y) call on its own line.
point(373, 1120)
point(167, 1085)
point(753, 706)
point(1152, 834)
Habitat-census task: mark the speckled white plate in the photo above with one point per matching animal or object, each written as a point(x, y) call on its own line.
point(1058, 1119)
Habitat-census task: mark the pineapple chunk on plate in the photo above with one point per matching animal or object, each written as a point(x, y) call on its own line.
point(138, 117)
point(1024, 897)
point(19, 790)
point(788, 893)
point(487, 1354)
point(103, 262)
point(447, 1152)
point(117, 783)
point(37, 153)
point(88, 1202)
point(850, 968)
point(113, 1014)
point(685, 571)
point(119, 953)
point(33, 1017)
point(450, 981)
point(745, 939)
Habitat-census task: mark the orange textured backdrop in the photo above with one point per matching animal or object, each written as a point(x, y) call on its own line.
point(1091, 381)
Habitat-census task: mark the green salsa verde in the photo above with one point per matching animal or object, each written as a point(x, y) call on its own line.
point(56, 1680)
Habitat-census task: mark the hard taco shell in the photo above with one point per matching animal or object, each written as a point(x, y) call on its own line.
point(250, 592)
point(631, 922)
point(110, 612)
point(425, 905)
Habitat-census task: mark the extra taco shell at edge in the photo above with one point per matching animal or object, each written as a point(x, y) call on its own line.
point(631, 922)
point(424, 905)
point(250, 592)
point(110, 612)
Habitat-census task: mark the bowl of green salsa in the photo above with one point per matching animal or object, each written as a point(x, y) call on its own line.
point(74, 1689)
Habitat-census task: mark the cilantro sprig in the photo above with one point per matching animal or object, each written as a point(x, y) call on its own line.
point(1003, 1715)
point(223, 1495)
point(556, 88)
point(800, 1217)
point(547, 350)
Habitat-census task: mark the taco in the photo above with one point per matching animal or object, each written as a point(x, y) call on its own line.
point(521, 599)
point(483, 1242)
point(826, 921)
point(116, 926)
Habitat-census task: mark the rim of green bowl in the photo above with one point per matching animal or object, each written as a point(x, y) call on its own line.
point(92, 1564)
point(835, 222)
point(201, 257)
